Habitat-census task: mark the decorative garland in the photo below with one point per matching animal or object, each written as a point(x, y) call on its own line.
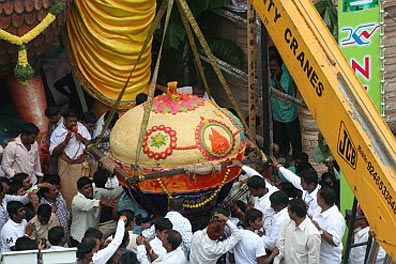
point(204, 202)
point(23, 71)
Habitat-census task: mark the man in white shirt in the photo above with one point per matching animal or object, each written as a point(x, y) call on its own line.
point(307, 182)
point(103, 255)
point(279, 201)
point(68, 143)
point(361, 235)
point(22, 154)
point(206, 248)
point(250, 250)
point(162, 226)
point(14, 227)
point(180, 223)
point(331, 225)
point(86, 207)
point(299, 240)
point(171, 242)
point(5, 199)
point(257, 187)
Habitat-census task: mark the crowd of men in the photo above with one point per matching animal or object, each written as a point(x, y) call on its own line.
point(76, 203)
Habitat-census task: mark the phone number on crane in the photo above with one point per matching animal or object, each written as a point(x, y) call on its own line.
point(381, 186)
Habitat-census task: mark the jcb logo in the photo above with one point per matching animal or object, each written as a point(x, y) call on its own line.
point(345, 147)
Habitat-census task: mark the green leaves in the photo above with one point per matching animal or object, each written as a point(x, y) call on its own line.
point(328, 12)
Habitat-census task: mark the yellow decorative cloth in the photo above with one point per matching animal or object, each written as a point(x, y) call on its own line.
point(104, 41)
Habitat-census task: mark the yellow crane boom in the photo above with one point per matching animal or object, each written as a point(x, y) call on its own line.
point(359, 139)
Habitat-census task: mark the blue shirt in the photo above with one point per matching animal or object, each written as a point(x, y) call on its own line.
point(284, 112)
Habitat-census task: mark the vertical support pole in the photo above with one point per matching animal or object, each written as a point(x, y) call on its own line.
point(350, 231)
point(252, 68)
point(265, 93)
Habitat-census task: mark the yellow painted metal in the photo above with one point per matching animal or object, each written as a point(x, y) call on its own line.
point(359, 139)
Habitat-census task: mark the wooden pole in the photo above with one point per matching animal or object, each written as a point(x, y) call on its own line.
point(252, 68)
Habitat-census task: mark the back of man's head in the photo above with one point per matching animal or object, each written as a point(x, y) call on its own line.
point(25, 243)
point(55, 235)
point(20, 177)
point(52, 111)
point(162, 224)
point(256, 182)
point(309, 175)
point(44, 211)
point(174, 239)
point(299, 207)
point(84, 248)
point(215, 229)
point(93, 233)
point(279, 197)
point(100, 177)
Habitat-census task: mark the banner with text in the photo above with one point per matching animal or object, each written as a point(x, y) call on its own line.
point(359, 40)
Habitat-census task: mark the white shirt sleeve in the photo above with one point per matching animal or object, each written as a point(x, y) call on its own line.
point(291, 177)
point(56, 140)
point(250, 172)
point(102, 256)
point(18, 198)
point(270, 239)
point(280, 242)
point(313, 246)
point(84, 204)
point(142, 255)
point(8, 159)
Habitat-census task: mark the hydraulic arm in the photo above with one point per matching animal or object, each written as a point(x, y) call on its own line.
point(359, 139)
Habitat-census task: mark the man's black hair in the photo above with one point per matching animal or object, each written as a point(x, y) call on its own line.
point(174, 238)
point(52, 111)
point(14, 188)
point(30, 129)
point(279, 197)
point(93, 233)
point(100, 177)
point(20, 177)
point(256, 182)
point(52, 179)
point(83, 181)
point(13, 207)
point(309, 175)
point(25, 243)
point(162, 224)
point(89, 118)
point(328, 195)
point(85, 247)
point(299, 207)
point(129, 214)
point(141, 98)
point(252, 215)
point(44, 210)
point(220, 210)
point(55, 235)
point(71, 113)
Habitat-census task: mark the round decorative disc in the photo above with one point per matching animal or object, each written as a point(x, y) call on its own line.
point(214, 139)
point(159, 142)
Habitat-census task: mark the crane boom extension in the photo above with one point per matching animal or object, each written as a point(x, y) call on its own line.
point(359, 139)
